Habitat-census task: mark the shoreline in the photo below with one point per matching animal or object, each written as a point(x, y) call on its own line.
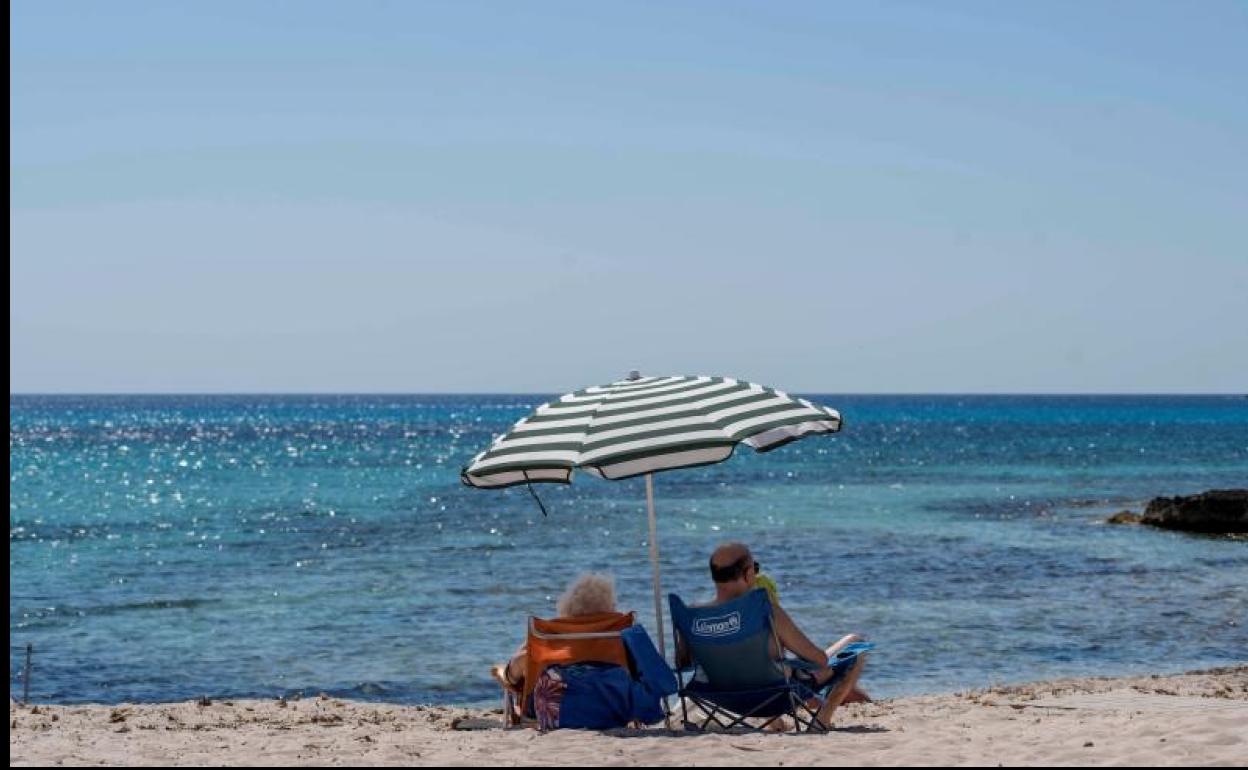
point(1195, 718)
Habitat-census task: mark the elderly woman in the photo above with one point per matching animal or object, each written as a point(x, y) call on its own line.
point(589, 594)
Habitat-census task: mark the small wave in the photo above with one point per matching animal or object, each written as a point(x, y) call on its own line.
point(32, 617)
point(361, 691)
point(480, 547)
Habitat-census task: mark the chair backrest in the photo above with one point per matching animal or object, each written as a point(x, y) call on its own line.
point(731, 642)
point(582, 639)
point(649, 667)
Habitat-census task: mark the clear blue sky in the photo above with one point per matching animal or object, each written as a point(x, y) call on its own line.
point(464, 196)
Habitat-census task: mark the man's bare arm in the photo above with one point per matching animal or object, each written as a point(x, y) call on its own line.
point(794, 640)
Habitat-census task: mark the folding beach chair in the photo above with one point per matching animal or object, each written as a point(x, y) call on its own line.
point(734, 677)
point(564, 641)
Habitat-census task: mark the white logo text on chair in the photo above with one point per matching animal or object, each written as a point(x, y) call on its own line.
point(722, 625)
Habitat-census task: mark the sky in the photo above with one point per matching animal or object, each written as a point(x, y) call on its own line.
point(829, 197)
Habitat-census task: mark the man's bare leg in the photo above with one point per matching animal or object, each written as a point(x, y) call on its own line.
point(837, 694)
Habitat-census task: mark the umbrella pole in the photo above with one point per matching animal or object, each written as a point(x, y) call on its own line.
point(654, 562)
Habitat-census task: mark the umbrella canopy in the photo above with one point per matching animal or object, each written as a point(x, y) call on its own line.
point(642, 425)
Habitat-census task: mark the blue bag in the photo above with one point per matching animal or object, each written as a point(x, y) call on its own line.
point(591, 696)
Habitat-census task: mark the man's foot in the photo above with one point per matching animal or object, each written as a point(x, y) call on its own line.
point(779, 725)
point(856, 696)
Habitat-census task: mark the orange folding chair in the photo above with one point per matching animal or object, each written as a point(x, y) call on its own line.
point(562, 641)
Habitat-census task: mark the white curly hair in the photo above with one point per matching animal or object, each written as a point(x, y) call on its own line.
point(587, 595)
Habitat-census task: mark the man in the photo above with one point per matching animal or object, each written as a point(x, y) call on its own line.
point(735, 573)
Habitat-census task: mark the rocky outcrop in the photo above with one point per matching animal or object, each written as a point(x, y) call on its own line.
point(1222, 511)
point(1124, 517)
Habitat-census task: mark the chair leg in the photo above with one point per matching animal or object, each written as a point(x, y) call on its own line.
point(811, 721)
point(510, 719)
point(710, 713)
point(734, 719)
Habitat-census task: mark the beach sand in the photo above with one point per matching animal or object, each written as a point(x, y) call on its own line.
point(1199, 718)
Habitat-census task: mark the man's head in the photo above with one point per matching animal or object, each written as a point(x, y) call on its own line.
point(733, 569)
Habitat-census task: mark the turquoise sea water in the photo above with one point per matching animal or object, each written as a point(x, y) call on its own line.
point(167, 547)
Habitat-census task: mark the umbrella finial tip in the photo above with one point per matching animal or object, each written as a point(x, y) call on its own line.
point(634, 374)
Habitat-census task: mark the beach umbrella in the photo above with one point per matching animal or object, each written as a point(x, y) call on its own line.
point(643, 425)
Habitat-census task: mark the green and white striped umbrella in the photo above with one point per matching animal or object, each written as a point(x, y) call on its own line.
point(641, 425)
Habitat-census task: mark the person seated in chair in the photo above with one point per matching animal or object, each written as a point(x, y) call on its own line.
point(735, 573)
point(589, 594)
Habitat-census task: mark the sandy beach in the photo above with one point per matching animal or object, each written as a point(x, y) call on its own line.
point(1197, 718)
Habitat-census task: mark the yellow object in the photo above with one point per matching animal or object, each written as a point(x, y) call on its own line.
point(762, 581)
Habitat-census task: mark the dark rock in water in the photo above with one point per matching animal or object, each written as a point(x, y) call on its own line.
point(1223, 511)
point(1124, 517)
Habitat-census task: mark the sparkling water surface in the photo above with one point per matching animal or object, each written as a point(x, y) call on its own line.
point(167, 547)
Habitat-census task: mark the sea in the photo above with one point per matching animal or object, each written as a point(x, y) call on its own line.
point(164, 548)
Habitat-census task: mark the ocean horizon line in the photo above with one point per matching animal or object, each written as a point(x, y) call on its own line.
point(536, 393)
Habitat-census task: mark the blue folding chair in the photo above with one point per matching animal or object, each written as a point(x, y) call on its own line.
point(733, 675)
